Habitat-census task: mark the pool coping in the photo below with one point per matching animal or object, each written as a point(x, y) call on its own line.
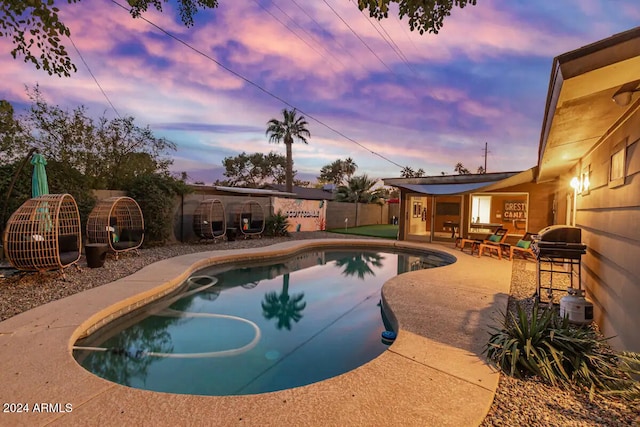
point(433, 374)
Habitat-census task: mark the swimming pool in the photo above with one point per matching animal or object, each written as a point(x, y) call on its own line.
point(256, 328)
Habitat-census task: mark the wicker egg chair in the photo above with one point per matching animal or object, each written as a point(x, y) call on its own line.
point(118, 222)
point(248, 218)
point(209, 220)
point(44, 234)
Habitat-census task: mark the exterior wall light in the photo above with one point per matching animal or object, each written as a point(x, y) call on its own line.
point(575, 184)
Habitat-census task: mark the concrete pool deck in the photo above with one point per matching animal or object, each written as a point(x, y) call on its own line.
point(433, 374)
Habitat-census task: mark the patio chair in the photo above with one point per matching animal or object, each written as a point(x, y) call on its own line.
point(495, 242)
point(475, 243)
point(118, 222)
point(209, 220)
point(523, 247)
point(44, 234)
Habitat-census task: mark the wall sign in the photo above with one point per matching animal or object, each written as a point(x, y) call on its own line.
point(514, 209)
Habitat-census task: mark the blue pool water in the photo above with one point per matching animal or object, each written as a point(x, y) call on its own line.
point(258, 328)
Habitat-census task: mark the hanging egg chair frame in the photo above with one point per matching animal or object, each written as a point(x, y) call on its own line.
point(118, 222)
point(44, 234)
point(209, 220)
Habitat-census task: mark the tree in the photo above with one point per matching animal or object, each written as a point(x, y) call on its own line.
point(36, 30)
point(481, 170)
point(13, 136)
point(358, 189)
point(337, 171)
point(425, 16)
point(254, 170)
point(110, 152)
point(408, 172)
point(460, 169)
point(290, 128)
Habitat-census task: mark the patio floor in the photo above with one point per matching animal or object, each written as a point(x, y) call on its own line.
point(433, 374)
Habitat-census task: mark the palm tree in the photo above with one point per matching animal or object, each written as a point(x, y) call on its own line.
point(349, 167)
point(407, 172)
point(358, 189)
point(360, 264)
point(286, 130)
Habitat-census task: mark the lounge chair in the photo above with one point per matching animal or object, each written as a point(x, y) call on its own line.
point(523, 247)
point(475, 243)
point(495, 242)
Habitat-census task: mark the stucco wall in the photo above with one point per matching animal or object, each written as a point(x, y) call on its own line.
point(368, 214)
point(609, 219)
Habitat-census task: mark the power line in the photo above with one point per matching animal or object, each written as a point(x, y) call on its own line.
point(358, 36)
point(289, 28)
point(94, 78)
point(257, 86)
point(335, 40)
point(388, 40)
point(307, 33)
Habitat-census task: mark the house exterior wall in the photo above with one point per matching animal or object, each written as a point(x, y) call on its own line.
point(609, 219)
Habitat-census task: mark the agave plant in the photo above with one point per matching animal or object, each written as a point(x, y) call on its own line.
point(547, 346)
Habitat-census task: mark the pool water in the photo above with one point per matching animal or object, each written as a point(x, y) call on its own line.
point(255, 329)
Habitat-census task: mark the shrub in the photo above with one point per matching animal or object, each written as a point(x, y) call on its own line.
point(547, 346)
point(277, 225)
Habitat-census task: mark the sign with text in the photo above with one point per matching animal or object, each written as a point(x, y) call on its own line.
point(515, 209)
point(303, 215)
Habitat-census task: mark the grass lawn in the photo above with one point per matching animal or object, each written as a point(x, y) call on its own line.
point(384, 231)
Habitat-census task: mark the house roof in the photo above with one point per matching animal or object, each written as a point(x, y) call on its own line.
point(462, 184)
point(244, 190)
point(579, 112)
point(306, 193)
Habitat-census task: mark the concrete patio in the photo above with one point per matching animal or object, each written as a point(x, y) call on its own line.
point(433, 374)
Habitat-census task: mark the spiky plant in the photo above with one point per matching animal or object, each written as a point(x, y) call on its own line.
point(547, 346)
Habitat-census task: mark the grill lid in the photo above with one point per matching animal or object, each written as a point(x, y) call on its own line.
point(560, 233)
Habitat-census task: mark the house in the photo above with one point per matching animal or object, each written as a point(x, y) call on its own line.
point(591, 132)
point(447, 207)
point(587, 175)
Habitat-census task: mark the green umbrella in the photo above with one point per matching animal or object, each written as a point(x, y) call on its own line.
point(39, 185)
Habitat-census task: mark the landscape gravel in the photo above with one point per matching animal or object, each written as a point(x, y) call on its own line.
point(517, 402)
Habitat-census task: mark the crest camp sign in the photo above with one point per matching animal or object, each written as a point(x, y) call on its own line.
point(514, 209)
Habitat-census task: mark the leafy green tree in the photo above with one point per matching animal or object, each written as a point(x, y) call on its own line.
point(36, 30)
point(291, 127)
point(110, 152)
point(424, 15)
point(156, 194)
point(359, 189)
point(13, 136)
point(254, 170)
point(339, 170)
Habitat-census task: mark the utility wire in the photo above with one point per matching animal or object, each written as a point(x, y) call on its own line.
point(308, 34)
point(335, 40)
point(257, 86)
point(94, 77)
point(358, 36)
point(388, 40)
point(289, 28)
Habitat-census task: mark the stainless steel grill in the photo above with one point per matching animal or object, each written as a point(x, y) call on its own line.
point(562, 246)
point(559, 241)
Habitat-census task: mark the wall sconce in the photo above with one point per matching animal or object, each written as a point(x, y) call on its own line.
point(623, 99)
point(575, 184)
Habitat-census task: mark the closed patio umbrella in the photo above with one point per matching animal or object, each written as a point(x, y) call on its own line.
point(39, 184)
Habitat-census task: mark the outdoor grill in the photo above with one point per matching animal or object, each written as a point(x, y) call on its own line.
point(559, 241)
point(559, 245)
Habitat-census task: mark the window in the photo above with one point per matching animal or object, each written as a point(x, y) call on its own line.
point(481, 209)
point(617, 165)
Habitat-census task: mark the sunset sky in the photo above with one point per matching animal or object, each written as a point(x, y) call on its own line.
point(375, 92)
